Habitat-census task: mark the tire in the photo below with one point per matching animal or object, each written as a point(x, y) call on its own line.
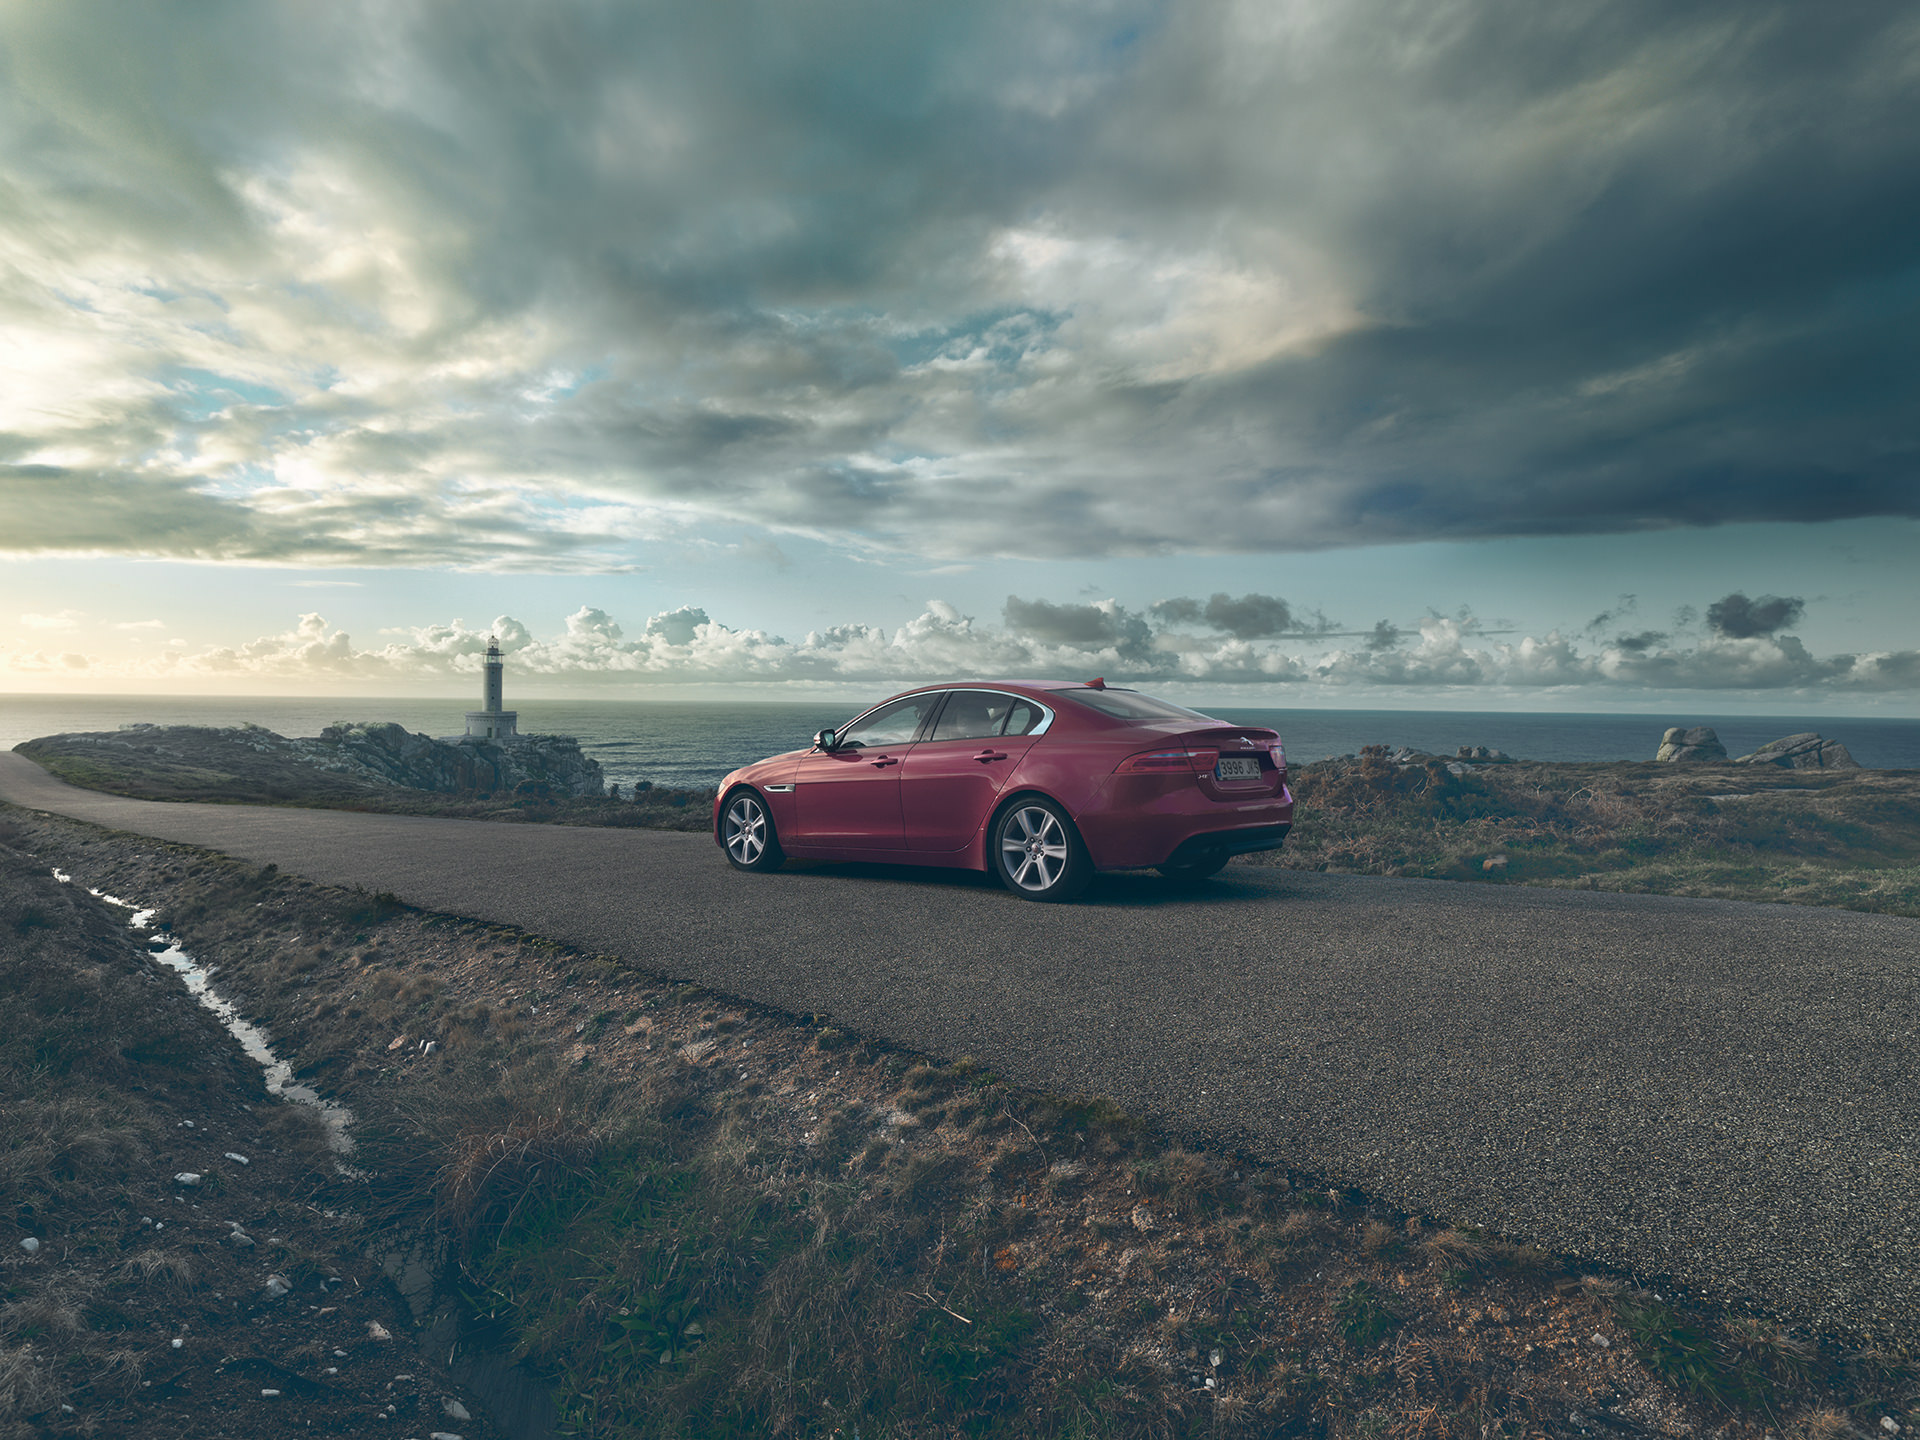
point(1037, 853)
point(747, 834)
point(1194, 871)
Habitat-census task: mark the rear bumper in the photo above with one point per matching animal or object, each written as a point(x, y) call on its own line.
point(1182, 825)
point(1232, 842)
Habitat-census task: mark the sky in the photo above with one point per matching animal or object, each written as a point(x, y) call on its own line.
point(1354, 353)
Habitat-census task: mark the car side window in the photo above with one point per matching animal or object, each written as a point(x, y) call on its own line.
point(1023, 716)
point(973, 715)
point(894, 724)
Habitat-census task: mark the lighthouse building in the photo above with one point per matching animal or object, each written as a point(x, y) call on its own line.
point(494, 722)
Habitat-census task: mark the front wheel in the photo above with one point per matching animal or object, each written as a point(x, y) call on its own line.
point(746, 831)
point(1037, 853)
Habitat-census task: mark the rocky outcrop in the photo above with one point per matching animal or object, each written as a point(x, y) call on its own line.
point(389, 754)
point(245, 761)
point(1696, 744)
point(1807, 751)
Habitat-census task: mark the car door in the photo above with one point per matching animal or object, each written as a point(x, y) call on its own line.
point(950, 780)
point(848, 798)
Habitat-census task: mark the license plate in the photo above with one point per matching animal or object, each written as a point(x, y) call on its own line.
point(1237, 767)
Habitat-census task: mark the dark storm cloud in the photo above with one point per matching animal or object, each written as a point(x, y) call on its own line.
point(501, 284)
point(1086, 627)
point(1641, 643)
point(1252, 616)
point(1249, 617)
point(1384, 636)
point(1739, 618)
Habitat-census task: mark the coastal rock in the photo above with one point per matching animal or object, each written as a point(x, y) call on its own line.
point(1698, 743)
point(1806, 751)
point(1483, 755)
point(343, 760)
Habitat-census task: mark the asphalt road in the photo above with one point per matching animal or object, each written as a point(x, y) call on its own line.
point(1719, 1093)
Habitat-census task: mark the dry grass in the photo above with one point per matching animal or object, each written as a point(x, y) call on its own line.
point(698, 1217)
point(1843, 838)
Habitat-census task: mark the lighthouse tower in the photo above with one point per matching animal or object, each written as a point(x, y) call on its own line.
point(493, 723)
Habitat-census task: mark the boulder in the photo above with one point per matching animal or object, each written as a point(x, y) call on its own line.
point(1483, 755)
point(1695, 744)
point(1802, 752)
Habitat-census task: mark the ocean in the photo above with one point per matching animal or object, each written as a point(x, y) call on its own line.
point(692, 744)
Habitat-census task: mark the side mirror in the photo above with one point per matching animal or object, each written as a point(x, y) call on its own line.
point(824, 739)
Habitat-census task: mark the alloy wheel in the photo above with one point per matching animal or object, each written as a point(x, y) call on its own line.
point(1034, 849)
point(745, 830)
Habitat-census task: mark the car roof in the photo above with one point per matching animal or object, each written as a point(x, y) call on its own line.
point(1036, 686)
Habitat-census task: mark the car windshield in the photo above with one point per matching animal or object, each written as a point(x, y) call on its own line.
point(1130, 705)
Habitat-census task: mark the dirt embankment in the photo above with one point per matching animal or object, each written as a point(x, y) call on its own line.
point(179, 1253)
point(695, 1217)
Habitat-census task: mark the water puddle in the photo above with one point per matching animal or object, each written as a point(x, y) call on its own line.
point(279, 1074)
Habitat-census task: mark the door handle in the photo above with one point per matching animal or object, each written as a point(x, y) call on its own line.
point(883, 762)
point(986, 755)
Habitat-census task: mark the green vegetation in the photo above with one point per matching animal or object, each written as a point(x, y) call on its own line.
point(1845, 838)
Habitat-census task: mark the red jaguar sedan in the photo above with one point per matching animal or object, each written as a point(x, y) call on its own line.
point(1041, 783)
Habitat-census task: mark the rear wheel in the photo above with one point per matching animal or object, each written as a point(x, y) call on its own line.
point(746, 831)
point(1192, 871)
point(1037, 853)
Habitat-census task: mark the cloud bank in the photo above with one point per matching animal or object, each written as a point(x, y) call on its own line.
point(532, 287)
point(1039, 639)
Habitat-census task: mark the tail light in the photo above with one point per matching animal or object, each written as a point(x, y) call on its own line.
point(1168, 762)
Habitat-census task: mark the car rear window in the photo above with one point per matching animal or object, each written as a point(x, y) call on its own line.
point(1130, 705)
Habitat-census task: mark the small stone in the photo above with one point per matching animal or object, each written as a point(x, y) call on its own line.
point(30, 1245)
point(238, 1159)
point(187, 1178)
point(240, 1240)
point(1601, 1340)
point(268, 1394)
point(377, 1331)
point(333, 1370)
point(398, 1041)
point(277, 1286)
point(1142, 1218)
point(178, 1342)
point(1889, 1424)
point(443, 1435)
point(454, 1410)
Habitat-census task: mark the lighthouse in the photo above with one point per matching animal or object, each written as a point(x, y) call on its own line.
point(495, 722)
